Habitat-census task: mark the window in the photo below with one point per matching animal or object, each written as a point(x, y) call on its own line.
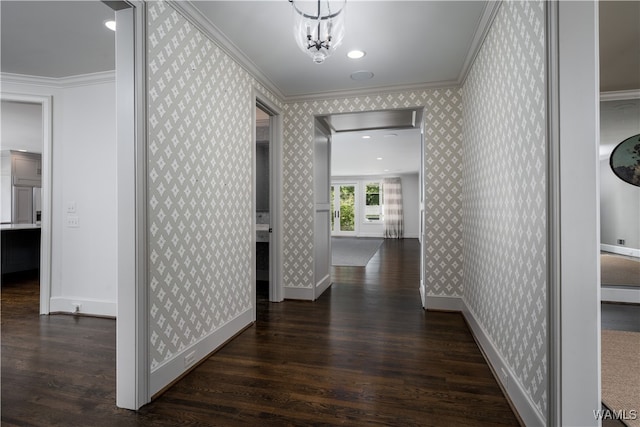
point(372, 209)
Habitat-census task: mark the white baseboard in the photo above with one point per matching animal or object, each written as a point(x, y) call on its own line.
point(620, 294)
point(322, 285)
point(529, 413)
point(437, 302)
point(171, 370)
point(298, 293)
point(89, 307)
point(620, 250)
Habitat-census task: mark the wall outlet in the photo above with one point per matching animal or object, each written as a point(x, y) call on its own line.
point(77, 307)
point(190, 359)
point(73, 221)
point(621, 242)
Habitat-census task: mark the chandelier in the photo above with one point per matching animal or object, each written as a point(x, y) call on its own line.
point(319, 26)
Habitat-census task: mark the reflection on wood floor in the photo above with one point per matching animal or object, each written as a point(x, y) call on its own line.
point(364, 353)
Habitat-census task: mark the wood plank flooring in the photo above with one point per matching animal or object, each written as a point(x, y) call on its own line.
point(365, 353)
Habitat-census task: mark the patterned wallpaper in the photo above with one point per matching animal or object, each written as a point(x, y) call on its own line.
point(504, 187)
point(199, 185)
point(443, 137)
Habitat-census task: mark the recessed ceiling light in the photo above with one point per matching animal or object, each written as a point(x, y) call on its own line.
point(390, 135)
point(378, 158)
point(110, 24)
point(361, 75)
point(356, 54)
point(366, 136)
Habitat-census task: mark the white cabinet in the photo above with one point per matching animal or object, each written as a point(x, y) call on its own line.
point(26, 169)
point(22, 205)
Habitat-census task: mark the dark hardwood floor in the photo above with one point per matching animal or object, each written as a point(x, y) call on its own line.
point(364, 353)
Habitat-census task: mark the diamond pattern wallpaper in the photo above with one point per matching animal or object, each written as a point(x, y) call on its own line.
point(489, 184)
point(200, 215)
point(504, 187)
point(443, 137)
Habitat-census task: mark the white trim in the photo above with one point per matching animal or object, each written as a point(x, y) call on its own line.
point(623, 294)
point(379, 90)
point(60, 82)
point(298, 293)
point(322, 285)
point(439, 302)
point(578, 189)
point(132, 366)
point(47, 159)
point(275, 202)
point(89, 306)
point(200, 21)
point(554, 327)
point(525, 407)
point(620, 95)
point(482, 30)
point(621, 250)
point(530, 414)
point(193, 14)
point(182, 362)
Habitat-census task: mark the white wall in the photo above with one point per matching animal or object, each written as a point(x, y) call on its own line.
point(410, 204)
point(619, 201)
point(83, 264)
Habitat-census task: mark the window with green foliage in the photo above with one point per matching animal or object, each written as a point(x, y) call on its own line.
point(347, 207)
point(373, 208)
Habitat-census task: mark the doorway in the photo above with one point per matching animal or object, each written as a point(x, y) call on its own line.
point(343, 207)
point(263, 205)
point(31, 123)
point(267, 202)
point(368, 148)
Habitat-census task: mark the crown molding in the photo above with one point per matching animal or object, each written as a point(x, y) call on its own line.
point(620, 95)
point(371, 91)
point(482, 30)
point(193, 15)
point(60, 82)
point(200, 21)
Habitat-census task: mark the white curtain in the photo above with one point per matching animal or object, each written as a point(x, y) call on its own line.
point(392, 202)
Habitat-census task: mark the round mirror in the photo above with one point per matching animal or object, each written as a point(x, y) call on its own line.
point(625, 160)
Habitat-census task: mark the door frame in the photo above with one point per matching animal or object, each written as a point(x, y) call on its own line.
point(45, 101)
point(276, 291)
point(132, 330)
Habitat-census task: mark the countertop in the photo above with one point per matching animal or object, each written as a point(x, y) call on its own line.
point(4, 227)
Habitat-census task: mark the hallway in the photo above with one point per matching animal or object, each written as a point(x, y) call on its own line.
point(365, 353)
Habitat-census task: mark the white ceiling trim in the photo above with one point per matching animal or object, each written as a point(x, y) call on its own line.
point(381, 90)
point(482, 30)
point(190, 12)
point(195, 17)
point(620, 95)
point(60, 82)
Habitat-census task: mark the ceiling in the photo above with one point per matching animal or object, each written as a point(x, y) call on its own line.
point(56, 38)
point(407, 43)
point(386, 152)
point(425, 42)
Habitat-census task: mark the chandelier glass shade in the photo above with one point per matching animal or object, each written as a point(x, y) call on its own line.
point(318, 26)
